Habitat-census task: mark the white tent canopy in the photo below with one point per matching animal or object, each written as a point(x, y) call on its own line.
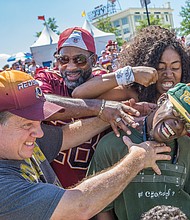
point(4, 56)
point(101, 38)
point(45, 46)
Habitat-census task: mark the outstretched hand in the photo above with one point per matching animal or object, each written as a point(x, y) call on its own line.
point(150, 152)
point(120, 116)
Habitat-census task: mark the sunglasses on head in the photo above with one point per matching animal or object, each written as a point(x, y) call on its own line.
point(79, 60)
point(177, 114)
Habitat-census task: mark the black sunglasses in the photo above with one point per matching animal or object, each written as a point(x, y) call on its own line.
point(80, 60)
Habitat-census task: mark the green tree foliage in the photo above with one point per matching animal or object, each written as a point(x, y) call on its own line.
point(105, 25)
point(51, 22)
point(185, 24)
point(153, 21)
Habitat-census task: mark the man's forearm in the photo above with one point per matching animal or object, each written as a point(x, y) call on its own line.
point(82, 130)
point(110, 184)
point(74, 108)
point(108, 111)
point(94, 194)
point(104, 83)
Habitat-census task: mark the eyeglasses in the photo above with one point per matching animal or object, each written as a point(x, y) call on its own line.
point(79, 60)
point(177, 114)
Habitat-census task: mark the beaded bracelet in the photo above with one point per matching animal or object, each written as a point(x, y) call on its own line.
point(102, 108)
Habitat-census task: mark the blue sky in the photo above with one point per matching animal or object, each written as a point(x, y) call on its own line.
point(19, 23)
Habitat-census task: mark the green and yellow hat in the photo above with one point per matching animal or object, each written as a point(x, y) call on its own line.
point(179, 96)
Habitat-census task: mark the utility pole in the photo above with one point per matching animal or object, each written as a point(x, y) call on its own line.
point(145, 3)
point(147, 14)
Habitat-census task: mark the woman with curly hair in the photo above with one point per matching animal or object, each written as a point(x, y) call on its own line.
point(155, 47)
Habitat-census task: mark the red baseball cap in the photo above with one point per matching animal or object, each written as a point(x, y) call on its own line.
point(21, 95)
point(77, 37)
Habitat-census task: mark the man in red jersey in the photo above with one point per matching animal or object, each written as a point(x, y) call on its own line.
point(76, 55)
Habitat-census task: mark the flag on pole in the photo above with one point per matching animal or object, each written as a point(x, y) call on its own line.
point(143, 2)
point(83, 13)
point(41, 18)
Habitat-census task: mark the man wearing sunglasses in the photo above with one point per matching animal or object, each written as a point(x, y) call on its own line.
point(169, 123)
point(76, 55)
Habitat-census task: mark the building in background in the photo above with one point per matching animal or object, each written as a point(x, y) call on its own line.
point(126, 21)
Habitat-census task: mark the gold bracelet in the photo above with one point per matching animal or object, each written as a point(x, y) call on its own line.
point(102, 108)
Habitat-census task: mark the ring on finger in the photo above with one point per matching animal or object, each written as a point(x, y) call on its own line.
point(118, 119)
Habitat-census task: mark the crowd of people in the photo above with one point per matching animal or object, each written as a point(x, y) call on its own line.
point(28, 66)
point(60, 158)
point(109, 57)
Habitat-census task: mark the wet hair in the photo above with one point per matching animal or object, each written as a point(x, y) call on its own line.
point(164, 212)
point(4, 116)
point(146, 49)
